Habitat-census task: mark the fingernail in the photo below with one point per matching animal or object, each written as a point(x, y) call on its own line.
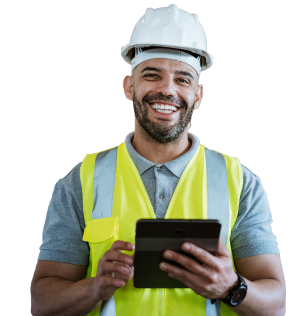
point(131, 246)
point(168, 254)
point(129, 260)
point(125, 269)
point(187, 246)
point(163, 266)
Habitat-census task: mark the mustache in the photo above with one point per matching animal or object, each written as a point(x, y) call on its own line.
point(158, 97)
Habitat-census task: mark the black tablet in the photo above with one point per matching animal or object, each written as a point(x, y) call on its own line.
point(154, 236)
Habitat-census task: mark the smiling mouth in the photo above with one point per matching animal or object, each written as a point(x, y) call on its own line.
point(164, 111)
point(166, 115)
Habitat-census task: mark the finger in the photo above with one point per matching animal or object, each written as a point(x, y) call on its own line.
point(106, 281)
point(190, 265)
point(201, 254)
point(190, 279)
point(173, 271)
point(118, 269)
point(119, 257)
point(122, 245)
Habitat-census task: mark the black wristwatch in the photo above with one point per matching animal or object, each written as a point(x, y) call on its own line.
point(236, 294)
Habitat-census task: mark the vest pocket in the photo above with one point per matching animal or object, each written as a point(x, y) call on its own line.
point(100, 234)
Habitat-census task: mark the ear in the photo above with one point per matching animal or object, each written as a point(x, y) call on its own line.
point(127, 85)
point(199, 96)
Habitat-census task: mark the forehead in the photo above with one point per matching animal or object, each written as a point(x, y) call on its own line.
point(166, 65)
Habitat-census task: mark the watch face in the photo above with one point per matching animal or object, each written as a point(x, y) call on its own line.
point(238, 296)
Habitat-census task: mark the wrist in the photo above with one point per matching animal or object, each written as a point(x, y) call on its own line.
point(92, 291)
point(233, 283)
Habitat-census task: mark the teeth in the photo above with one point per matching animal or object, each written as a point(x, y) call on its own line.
point(162, 107)
point(163, 111)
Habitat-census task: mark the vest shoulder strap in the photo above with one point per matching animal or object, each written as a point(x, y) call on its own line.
point(87, 173)
point(234, 180)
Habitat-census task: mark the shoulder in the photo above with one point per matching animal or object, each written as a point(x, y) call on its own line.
point(253, 198)
point(249, 175)
point(66, 200)
point(70, 185)
point(72, 177)
point(252, 233)
point(252, 184)
point(64, 224)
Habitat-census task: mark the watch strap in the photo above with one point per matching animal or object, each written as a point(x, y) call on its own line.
point(241, 284)
point(227, 300)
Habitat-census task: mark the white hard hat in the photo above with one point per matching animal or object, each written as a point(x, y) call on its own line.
point(169, 27)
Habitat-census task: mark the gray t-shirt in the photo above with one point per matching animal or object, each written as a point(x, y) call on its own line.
point(63, 230)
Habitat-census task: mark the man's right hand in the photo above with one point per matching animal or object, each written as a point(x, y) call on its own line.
point(114, 270)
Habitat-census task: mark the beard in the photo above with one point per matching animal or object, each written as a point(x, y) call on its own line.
point(162, 132)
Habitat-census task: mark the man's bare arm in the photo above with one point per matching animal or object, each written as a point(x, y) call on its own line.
point(58, 289)
point(62, 297)
point(263, 299)
point(266, 294)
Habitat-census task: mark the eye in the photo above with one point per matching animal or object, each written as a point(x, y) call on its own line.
point(156, 75)
point(183, 80)
point(150, 75)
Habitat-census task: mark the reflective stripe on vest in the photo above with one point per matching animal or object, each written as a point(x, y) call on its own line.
point(98, 179)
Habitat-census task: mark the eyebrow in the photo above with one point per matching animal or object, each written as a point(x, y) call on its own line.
point(177, 72)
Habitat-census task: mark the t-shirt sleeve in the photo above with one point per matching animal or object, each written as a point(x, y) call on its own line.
point(64, 224)
point(252, 233)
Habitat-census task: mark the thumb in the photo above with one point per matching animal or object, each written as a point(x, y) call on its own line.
point(222, 250)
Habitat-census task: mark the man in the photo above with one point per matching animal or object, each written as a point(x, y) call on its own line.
point(86, 263)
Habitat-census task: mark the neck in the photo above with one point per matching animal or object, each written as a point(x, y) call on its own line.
point(156, 152)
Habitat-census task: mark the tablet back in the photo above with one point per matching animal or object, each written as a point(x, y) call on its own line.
point(154, 236)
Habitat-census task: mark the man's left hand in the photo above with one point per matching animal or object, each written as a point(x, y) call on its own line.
point(212, 279)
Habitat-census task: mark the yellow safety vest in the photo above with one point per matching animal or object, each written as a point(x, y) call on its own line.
point(114, 198)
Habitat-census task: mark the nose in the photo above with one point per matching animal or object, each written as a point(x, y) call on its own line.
point(166, 87)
